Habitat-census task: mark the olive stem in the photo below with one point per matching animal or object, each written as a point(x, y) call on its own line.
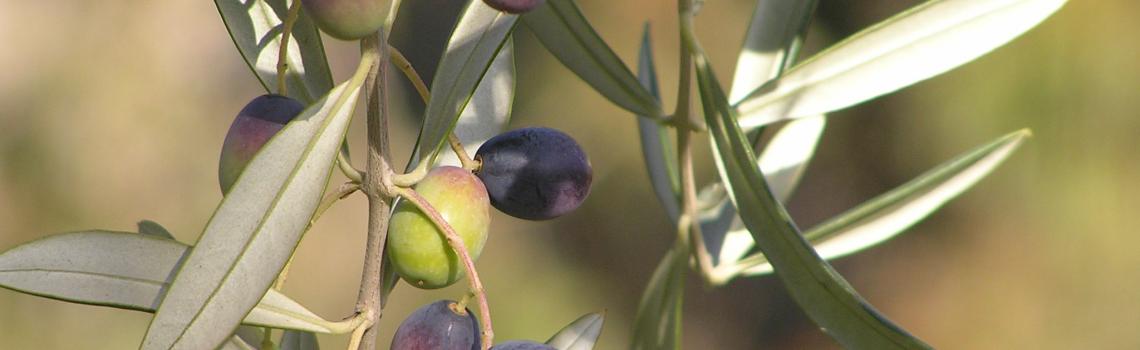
point(460, 249)
point(342, 192)
point(283, 48)
point(377, 180)
point(401, 62)
point(689, 205)
point(346, 167)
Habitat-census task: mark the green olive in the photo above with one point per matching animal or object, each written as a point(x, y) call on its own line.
point(417, 248)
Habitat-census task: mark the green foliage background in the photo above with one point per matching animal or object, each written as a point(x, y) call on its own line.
point(113, 112)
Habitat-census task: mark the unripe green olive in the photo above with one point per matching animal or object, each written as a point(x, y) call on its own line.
point(347, 19)
point(418, 249)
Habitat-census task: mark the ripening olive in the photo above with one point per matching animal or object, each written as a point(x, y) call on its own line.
point(514, 6)
point(441, 325)
point(534, 173)
point(522, 345)
point(251, 129)
point(347, 19)
point(418, 250)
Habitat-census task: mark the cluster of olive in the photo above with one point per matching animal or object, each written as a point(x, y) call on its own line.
point(529, 173)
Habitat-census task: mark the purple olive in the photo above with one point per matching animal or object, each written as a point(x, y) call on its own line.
point(441, 325)
point(534, 173)
point(347, 19)
point(522, 345)
point(252, 128)
point(514, 6)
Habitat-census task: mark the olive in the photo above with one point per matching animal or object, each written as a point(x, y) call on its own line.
point(441, 325)
point(257, 122)
point(534, 173)
point(347, 19)
point(418, 249)
point(514, 6)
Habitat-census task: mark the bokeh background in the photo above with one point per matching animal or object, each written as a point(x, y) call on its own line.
point(114, 111)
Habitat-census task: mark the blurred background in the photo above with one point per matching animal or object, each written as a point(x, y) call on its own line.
point(114, 111)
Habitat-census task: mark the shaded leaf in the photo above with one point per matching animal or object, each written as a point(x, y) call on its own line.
point(889, 214)
point(820, 291)
point(581, 334)
point(489, 111)
point(562, 29)
point(657, 324)
point(477, 39)
point(922, 42)
point(656, 147)
point(152, 228)
point(255, 27)
point(294, 340)
point(122, 270)
point(255, 229)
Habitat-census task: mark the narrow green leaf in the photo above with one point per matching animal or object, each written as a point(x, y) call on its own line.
point(882, 218)
point(920, 43)
point(152, 228)
point(773, 37)
point(783, 163)
point(657, 324)
point(294, 340)
point(772, 42)
point(477, 39)
point(489, 111)
point(581, 334)
point(123, 270)
point(820, 291)
point(255, 27)
point(562, 29)
point(255, 229)
point(656, 148)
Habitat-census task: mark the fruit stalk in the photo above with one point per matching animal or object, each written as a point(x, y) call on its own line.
point(456, 243)
point(370, 301)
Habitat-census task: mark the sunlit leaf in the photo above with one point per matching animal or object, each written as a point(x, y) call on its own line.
point(656, 147)
point(782, 162)
point(581, 334)
point(123, 270)
point(772, 42)
point(562, 29)
point(477, 39)
point(489, 111)
point(773, 37)
point(925, 41)
point(820, 291)
point(255, 27)
point(657, 324)
point(889, 214)
point(255, 229)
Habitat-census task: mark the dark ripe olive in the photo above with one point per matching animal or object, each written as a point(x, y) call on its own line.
point(347, 19)
point(522, 345)
point(441, 325)
point(514, 6)
point(417, 248)
point(534, 173)
point(251, 129)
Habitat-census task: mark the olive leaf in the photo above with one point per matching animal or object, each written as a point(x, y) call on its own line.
point(818, 289)
point(564, 31)
point(123, 270)
point(255, 27)
point(656, 147)
point(581, 334)
point(255, 229)
point(912, 46)
point(476, 41)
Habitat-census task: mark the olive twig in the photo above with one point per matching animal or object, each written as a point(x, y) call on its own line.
point(283, 49)
point(354, 342)
point(351, 172)
point(692, 226)
point(460, 249)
